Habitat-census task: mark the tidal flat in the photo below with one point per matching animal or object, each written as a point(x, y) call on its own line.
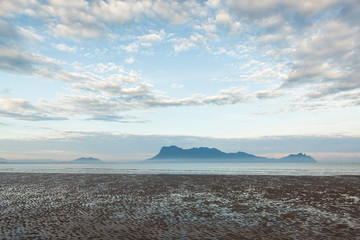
point(149, 206)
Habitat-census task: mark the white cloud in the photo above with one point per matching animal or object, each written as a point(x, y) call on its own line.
point(272, 21)
point(30, 35)
point(23, 110)
point(184, 44)
point(76, 30)
point(269, 94)
point(102, 68)
point(65, 48)
point(121, 11)
point(15, 104)
point(305, 6)
point(319, 53)
point(10, 34)
point(325, 56)
point(269, 38)
point(213, 3)
point(17, 61)
point(126, 11)
point(130, 48)
point(153, 37)
point(95, 91)
point(170, 10)
point(176, 85)
point(309, 6)
point(223, 18)
point(130, 60)
point(91, 19)
point(72, 19)
point(9, 8)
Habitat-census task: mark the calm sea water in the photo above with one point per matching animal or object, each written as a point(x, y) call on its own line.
point(313, 169)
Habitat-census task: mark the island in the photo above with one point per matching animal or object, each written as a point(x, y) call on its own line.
point(205, 154)
point(87, 160)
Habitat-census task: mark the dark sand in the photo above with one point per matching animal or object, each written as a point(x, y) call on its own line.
point(94, 206)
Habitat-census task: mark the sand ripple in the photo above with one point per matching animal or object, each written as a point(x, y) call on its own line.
point(78, 206)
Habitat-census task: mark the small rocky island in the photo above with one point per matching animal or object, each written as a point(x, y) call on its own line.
point(204, 154)
point(87, 160)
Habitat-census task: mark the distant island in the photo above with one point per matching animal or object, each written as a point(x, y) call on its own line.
point(87, 160)
point(204, 154)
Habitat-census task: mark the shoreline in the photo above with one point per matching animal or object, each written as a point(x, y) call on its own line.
point(157, 206)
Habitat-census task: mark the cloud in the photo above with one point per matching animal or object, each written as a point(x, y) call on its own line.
point(184, 44)
point(153, 37)
point(316, 45)
point(76, 30)
point(104, 99)
point(269, 94)
point(130, 48)
point(114, 118)
point(72, 20)
point(213, 3)
point(23, 110)
point(11, 34)
point(30, 117)
point(119, 11)
point(352, 98)
point(30, 35)
point(223, 18)
point(327, 59)
point(63, 47)
point(176, 85)
point(231, 95)
point(305, 6)
point(8, 32)
point(130, 60)
point(91, 19)
point(115, 99)
point(97, 91)
point(269, 38)
point(270, 22)
point(9, 8)
point(16, 61)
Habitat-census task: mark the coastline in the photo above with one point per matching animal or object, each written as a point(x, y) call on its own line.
point(157, 206)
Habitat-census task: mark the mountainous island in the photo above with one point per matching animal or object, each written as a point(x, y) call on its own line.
point(87, 160)
point(204, 154)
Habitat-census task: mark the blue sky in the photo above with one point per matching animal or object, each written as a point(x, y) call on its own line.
point(220, 72)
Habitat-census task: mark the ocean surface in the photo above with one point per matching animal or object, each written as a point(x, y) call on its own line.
point(294, 169)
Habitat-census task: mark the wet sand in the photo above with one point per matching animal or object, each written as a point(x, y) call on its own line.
point(108, 206)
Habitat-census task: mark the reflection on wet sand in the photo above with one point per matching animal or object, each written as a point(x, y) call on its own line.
point(106, 206)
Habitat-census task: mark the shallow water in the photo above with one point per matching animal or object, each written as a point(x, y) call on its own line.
point(297, 169)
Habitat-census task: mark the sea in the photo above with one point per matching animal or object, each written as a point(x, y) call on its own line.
point(293, 169)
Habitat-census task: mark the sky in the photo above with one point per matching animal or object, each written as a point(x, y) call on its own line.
point(119, 79)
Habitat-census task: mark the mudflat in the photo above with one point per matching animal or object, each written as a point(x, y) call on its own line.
point(124, 206)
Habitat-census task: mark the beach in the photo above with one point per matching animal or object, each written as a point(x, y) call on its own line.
point(170, 206)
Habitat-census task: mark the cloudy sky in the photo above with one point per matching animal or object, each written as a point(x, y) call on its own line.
point(120, 79)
